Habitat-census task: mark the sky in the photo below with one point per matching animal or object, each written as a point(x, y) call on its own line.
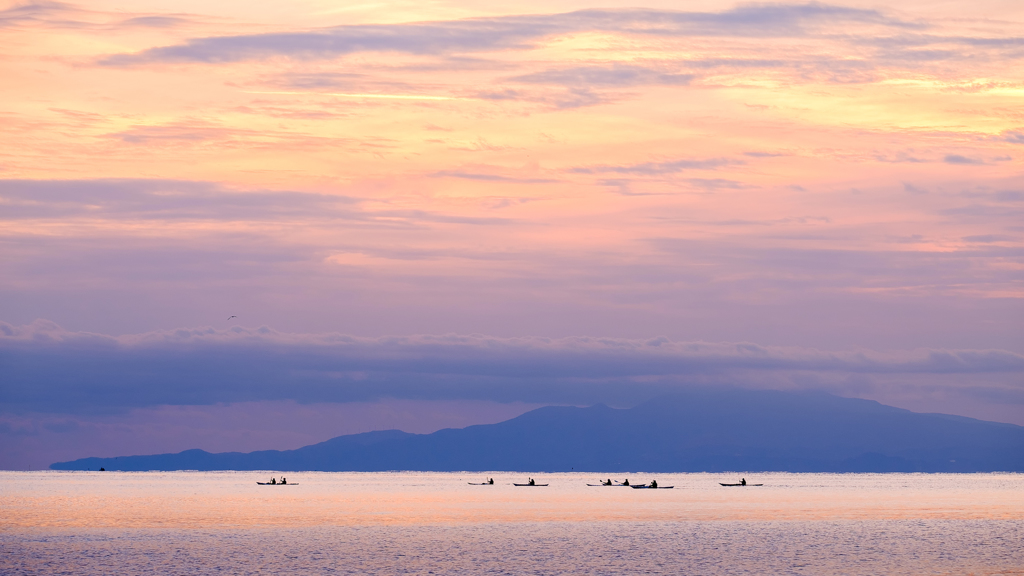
point(433, 214)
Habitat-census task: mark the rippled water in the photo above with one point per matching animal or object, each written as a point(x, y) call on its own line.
point(422, 523)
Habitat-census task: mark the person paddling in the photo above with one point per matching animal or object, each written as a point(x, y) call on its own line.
point(654, 483)
point(625, 482)
point(743, 481)
point(490, 480)
point(608, 482)
point(284, 480)
point(531, 482)
point(273, 480)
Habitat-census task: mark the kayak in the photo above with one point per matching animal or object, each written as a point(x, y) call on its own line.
point(514, 484)
point(652, 487)
point(617, 485)
point(724, 484)
point(278, 484)
point(480, 484)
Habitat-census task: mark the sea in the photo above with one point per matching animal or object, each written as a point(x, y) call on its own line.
point(196, 523)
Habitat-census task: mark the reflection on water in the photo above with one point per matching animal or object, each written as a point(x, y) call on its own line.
point(382, 523)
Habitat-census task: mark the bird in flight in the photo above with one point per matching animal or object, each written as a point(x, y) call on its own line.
point(230, 317)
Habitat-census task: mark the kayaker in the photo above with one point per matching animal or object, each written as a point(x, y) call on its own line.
point(273, 480)
point(743, 481)
point(654, 483)
point(284, 480)
point(531, 482)
point(625, 482)
point(490, 480)
point(608, 482)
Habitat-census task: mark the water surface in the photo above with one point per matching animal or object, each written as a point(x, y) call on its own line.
point(420, 523)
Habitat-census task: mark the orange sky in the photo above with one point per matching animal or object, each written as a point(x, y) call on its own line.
point(555, 146)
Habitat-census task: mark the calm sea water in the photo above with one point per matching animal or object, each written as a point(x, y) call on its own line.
point(87, 523)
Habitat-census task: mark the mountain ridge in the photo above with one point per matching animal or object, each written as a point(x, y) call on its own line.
point(712, 430)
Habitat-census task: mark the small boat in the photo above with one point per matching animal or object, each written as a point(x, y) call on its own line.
point(644, 486)
point(481, 483)
point(623, 484)
point(514, 484)
point(278, 484)
point(724, 484)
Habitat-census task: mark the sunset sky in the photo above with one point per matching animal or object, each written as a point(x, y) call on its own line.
point(438, 213)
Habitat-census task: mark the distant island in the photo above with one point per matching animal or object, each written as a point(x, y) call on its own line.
point(697, 430)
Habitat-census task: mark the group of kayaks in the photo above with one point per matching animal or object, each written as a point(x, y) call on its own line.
point(653, 485)
point(531, 482)
point(625, 484)
point(490, 482)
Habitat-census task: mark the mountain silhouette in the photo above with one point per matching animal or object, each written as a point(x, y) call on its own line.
point(711, 430)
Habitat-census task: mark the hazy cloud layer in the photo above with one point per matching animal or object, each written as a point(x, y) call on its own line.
point(658, 168)
point(126, 199)
point(176, 250)
point(614, 76)
point(35, 12)
point(77, 16)
point(510, 32)
point(155, 199)
point(49, 369)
